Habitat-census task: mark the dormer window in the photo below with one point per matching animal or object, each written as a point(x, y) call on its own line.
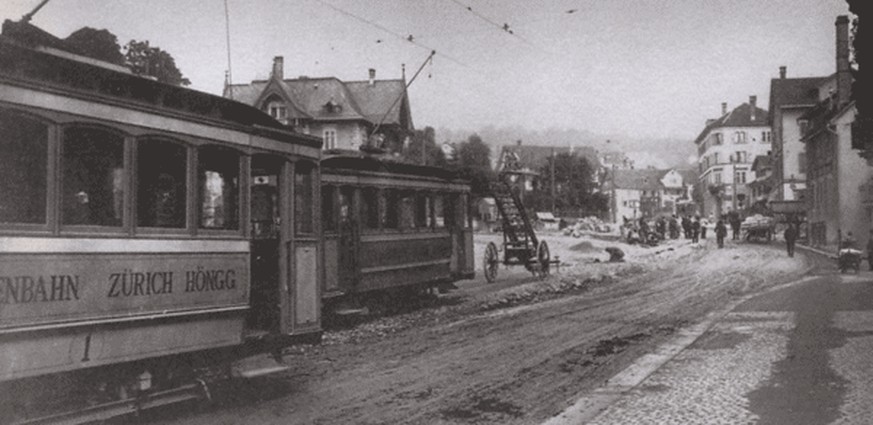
point(332, 107)
point(277, 110)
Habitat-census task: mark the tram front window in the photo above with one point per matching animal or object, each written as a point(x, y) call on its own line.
point(23, 176)
point(93, 177)
point(219, 188)
point(161, 182)
point(303, 198)
point(328, 208)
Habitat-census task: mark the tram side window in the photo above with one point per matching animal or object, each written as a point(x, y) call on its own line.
point(303, 198)
point(451, 201)
point(218, 178)
point(23, 172)
point(422, 211)
point(439, 211)
point(407, 210)
point(390, 209)
point(93, 177)
point(370, 208)
point(328, 208)
point(466, 217)
point(161, 184)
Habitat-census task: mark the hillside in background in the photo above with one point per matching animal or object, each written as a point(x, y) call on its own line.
point(659, 153)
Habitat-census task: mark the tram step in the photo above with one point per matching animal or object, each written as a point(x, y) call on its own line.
point(254, 373)
point(350, 311)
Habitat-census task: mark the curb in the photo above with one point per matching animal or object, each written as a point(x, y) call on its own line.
point(591, 405)
point(827, 254)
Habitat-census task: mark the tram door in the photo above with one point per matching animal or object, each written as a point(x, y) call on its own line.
point(348, 239)
point(266, 220)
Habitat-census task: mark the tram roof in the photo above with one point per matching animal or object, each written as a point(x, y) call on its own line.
point(360, 161)
point(26, 56)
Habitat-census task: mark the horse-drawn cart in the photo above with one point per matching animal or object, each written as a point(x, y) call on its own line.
point(758, 228)
point(520, 243)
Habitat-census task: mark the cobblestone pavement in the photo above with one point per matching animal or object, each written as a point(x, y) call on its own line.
point(854, 362)
point(707, 382)
point(799, 355)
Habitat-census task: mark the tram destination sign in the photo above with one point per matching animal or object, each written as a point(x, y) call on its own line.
point(61, 288)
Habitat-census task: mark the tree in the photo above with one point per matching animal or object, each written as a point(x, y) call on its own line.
point(474, 164)
point(423, 149)
point(574, 187)
point(97, 44)
point(144, 59)
point(862, 80)
point(139, 56)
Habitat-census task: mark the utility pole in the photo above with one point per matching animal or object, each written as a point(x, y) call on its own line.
point(552, 161)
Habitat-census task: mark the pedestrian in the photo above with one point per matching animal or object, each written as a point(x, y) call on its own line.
point(703, 225)
point(848, 242)
point(686, 227)
point(735, 225)
point(720, 233)
point(695, 229)
point(870, 251)
point(674, 227)
point(790, 238)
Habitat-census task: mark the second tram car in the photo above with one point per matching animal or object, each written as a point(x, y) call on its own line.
point(391, 229)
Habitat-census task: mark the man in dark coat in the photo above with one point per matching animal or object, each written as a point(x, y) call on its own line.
point(674, 228)
point(695, 230)
point(720, 233)
point(686, 227)
point(790, 238)
point(735, 224)
point(870, 250)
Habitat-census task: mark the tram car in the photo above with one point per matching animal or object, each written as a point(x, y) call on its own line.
point(145, 230)
point(392, 231)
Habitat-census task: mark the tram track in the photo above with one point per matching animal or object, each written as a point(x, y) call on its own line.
point(521, 364)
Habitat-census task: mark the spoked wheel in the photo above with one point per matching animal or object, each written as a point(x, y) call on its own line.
point(544, 258)
point(491, 262)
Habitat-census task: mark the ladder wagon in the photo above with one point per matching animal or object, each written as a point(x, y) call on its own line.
point(520, 243)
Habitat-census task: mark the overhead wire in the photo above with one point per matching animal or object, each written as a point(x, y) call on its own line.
point(409, 38)
point(504, 27)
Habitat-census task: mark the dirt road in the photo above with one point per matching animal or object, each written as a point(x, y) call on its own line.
point(513, 353)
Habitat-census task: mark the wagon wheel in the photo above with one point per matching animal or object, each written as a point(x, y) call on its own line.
point(544, 258)
point(490, 262)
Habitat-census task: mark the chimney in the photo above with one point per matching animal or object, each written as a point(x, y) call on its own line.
point(782, 71)
point(844, 75)
point(372, 76)
point(724, 108)
point(752, 106)
point(278, 68)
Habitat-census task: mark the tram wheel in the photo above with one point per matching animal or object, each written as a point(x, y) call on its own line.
point(544, 258)
point(491, 262)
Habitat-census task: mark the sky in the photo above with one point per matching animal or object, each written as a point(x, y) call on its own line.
point(642, 68)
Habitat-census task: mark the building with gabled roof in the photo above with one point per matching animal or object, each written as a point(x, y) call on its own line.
point(840, 182)
point(789, 99)
point(649, 192)
point(725, 150)
point(345, 114)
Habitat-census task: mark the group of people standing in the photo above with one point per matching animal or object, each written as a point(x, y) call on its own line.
point(691, 227)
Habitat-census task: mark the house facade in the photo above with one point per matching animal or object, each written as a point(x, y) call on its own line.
point(345, 114)
point(726, 148)
point(839, 180)
point(789, 99)
point(636, 193)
